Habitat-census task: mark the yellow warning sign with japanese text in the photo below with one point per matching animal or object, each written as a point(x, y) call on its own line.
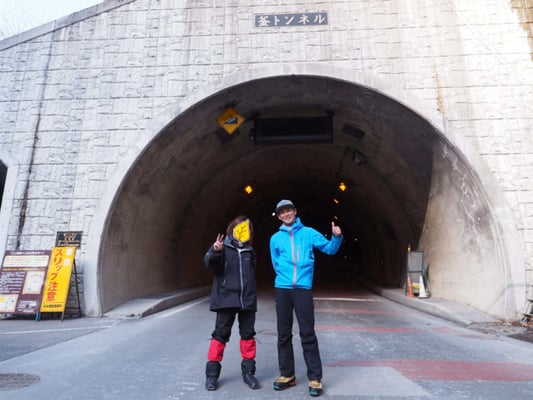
point(58, 279)
point(230, 120)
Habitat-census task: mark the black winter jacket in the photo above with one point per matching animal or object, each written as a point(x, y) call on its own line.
point(234, 285)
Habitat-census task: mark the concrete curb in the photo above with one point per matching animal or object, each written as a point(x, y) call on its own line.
point(144, 306)
point(462, 314)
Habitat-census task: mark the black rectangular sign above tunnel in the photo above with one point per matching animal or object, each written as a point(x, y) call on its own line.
point(293, 130)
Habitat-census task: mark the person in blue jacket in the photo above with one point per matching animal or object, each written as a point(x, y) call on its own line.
point(292, 252)
point(233, 295)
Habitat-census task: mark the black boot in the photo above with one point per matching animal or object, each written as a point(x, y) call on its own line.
point(212, 372)
point(248, 374)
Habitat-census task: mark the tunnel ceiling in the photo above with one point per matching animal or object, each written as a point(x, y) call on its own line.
point(188, 177)
point(388, 168)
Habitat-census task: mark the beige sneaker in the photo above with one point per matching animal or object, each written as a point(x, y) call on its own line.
point(283, 382)
point(315, 387)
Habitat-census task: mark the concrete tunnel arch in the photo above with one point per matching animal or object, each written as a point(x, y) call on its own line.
point(187, 183)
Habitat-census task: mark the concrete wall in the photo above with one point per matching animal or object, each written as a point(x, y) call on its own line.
point(81, 97)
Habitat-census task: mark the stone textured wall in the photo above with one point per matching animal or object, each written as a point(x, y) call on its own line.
point(77, 95)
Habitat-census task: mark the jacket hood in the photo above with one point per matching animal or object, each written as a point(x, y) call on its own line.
point(230, 241)
point(296, 226)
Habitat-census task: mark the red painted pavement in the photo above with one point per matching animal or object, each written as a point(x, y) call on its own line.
point(450, 370)
point(357, 311)
point(434, 370)
point(344, 328)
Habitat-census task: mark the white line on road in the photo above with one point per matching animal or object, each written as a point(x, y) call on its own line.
point(346, 299)
point(165, 314)
point(57, 330)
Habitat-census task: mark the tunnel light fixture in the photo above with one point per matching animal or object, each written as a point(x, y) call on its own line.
point(248, 189)
point(335, 200)
point(342, 186)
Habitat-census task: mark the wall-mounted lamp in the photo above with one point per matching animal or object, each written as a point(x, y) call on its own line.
point(336, 201)
point(248, 189)
point(342, 186)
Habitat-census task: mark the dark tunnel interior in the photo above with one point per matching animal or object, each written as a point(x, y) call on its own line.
point(189, 183)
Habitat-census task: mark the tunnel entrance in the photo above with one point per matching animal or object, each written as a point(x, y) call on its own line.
point(189, 183)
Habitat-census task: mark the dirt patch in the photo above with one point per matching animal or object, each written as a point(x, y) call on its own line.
point(515, 331)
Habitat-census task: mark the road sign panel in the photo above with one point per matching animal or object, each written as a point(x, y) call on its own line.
point(230, 120)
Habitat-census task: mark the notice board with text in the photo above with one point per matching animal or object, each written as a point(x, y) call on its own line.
point(22, 276)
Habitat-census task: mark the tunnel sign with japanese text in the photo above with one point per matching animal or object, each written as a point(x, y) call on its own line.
point(297, 19)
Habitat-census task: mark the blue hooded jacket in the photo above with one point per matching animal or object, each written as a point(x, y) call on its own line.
point(293, 259)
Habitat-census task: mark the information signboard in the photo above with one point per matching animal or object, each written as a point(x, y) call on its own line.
point(58, 279)
point(21, 281)
point(68, 238)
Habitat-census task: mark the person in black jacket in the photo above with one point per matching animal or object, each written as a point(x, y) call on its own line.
point(233, 294)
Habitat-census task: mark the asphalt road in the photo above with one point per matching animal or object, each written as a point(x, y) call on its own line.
point(371, 347)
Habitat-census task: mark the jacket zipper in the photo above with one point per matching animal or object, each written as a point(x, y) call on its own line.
point(241, 278)
point(293, 258)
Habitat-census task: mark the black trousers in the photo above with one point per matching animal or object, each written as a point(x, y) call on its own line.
point(299, 301)
point(225, 320)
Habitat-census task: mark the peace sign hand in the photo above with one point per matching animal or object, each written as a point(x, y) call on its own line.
point(219, 243)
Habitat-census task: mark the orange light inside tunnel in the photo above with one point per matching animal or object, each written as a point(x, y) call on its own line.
point(248, 189)
point(342, 186)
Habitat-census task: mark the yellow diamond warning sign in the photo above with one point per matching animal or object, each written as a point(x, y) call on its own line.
point(230, 120)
